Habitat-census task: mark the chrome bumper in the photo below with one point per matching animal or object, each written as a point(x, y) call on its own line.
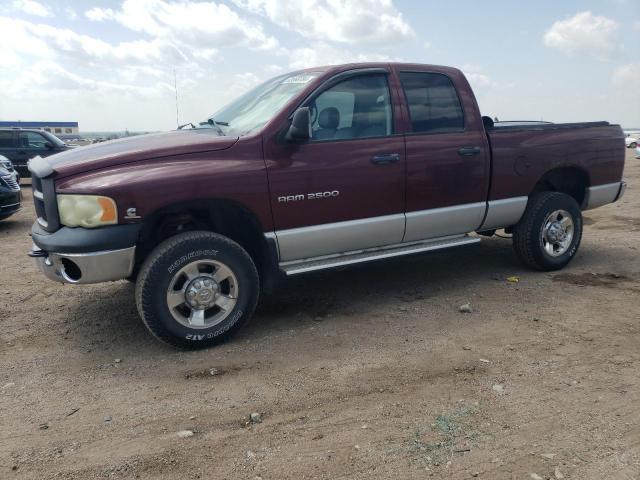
point(78, 268)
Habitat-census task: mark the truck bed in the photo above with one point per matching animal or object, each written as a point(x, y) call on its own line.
point(521, 154)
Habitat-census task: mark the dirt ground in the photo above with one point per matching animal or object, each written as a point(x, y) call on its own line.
point(368, 372)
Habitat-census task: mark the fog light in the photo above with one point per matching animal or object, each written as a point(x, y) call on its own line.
point(71, 270)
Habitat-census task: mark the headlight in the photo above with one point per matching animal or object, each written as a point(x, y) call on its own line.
point(88, 211)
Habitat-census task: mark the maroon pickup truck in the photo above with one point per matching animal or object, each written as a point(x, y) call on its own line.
point(311, 170)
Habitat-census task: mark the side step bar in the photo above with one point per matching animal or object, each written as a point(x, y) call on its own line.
point(360, 256)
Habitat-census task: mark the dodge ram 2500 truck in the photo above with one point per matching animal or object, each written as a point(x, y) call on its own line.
point(311, 170)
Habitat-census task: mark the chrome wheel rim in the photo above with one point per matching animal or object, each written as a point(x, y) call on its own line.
point(202, 294)
point(557, 232)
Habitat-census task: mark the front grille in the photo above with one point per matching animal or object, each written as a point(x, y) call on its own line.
point(10, 180)
point(44, 201)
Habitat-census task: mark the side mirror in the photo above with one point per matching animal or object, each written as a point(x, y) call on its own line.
point(300, 129)
point(49, 146)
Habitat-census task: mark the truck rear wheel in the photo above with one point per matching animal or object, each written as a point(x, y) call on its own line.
point(549, 233)
point(196, 289)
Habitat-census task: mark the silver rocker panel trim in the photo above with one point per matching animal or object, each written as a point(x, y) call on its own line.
point(329, 238)
point(504, 213)
point(367, 255)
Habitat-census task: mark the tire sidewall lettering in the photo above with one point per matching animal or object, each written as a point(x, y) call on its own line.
point(190, 256)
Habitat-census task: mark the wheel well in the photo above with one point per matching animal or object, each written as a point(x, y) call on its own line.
point(220, 216)
point(570, 180)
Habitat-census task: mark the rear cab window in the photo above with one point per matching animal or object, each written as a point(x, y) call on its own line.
point(434, 105)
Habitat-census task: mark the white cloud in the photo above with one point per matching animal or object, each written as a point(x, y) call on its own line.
point(344, 21)
point(45, 77)
point(583, 33)
point(31, 7)
point(70, 13)
point(19, 43)
point(324, 54)
point(477, 78)
point(628, 77)
point(273, 69)
point(242, 83)
point(202, 24)
point(44, 41)
point(98, 14)
point(208, 54)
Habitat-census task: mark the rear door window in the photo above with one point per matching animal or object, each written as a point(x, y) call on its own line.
point(434, 106)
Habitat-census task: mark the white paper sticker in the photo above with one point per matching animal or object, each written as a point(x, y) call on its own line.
point(299, 79)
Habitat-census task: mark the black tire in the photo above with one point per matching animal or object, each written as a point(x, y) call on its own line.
point(633, 145)
point(528, 233)
point(160, 269)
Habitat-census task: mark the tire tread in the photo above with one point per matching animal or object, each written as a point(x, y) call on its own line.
point(150, 271)
point(525, 232)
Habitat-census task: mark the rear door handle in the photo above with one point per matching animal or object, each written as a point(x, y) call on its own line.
point(469, 151)
point(385, 158)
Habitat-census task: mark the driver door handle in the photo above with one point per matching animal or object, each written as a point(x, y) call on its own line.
point(469, 151)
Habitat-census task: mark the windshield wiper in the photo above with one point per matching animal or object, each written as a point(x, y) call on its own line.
point(215, 124)
point(180, 127)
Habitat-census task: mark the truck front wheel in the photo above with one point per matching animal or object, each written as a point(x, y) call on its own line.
point(196, 289)
point(549, 233)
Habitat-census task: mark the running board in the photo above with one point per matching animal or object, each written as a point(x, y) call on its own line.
point(360, 256)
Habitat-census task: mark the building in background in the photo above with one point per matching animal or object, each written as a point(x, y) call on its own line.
point(63, 130)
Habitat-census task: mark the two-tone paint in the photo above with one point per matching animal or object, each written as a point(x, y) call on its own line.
point(437, 185)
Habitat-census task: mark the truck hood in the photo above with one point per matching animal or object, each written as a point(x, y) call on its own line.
point(130, 149)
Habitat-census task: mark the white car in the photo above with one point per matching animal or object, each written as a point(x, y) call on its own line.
point(631, 140)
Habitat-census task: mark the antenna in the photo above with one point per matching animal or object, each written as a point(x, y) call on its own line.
point(175, 87)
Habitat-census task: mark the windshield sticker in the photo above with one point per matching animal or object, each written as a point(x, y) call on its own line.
point(298, 79)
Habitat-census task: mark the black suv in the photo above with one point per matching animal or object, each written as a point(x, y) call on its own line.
point(10, 195)
point(20, 145)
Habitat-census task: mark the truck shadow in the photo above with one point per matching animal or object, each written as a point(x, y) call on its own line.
point(112, 320)
point(372, 289)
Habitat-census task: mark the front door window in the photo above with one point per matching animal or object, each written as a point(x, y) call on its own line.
point(359, 107)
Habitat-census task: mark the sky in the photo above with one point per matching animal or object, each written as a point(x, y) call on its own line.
point(110, 64)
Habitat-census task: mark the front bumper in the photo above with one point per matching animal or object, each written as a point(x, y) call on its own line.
point(94, 267)
point(79, 256)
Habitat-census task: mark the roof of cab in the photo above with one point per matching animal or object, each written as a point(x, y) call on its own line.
point(362, 65)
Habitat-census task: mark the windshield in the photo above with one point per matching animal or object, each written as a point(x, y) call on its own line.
point(53, 139)
point(256, 107)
